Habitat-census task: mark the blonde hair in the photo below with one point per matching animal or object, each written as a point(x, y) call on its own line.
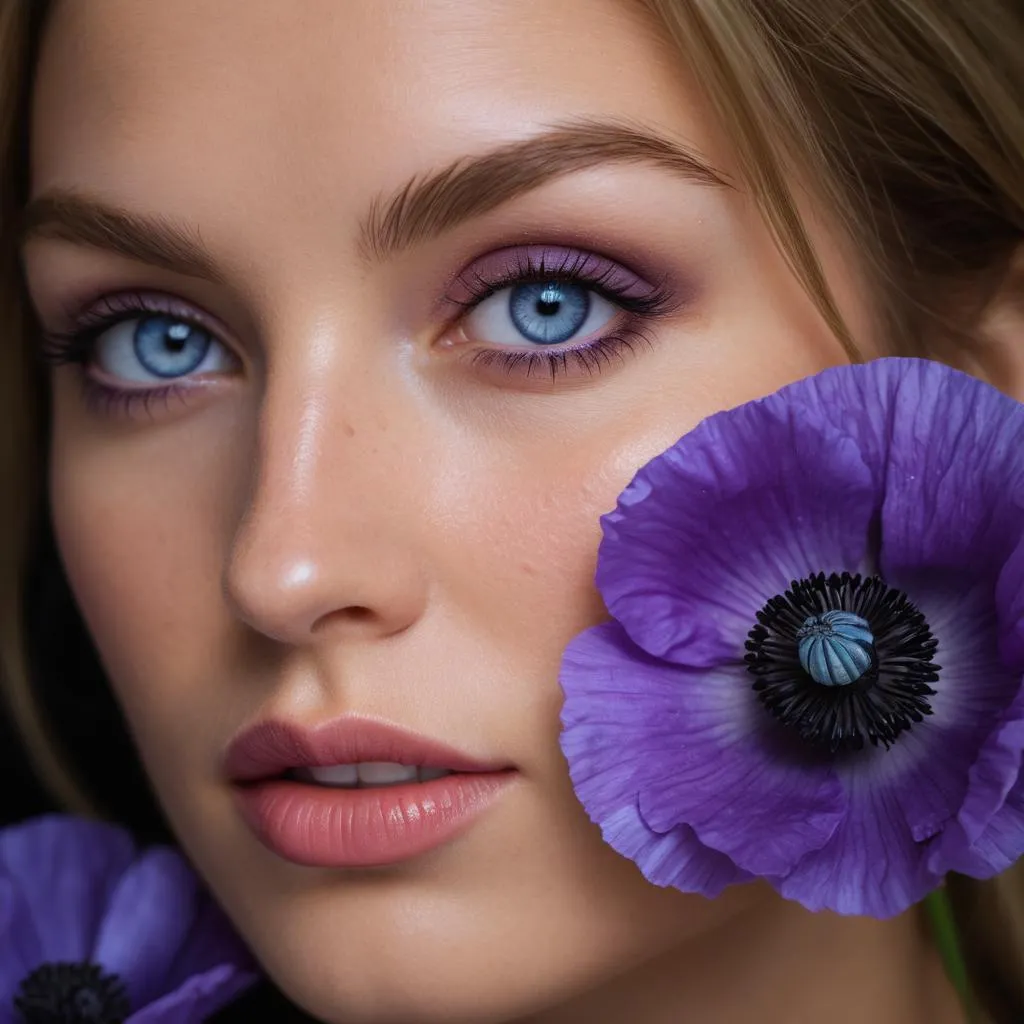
point(906, 117)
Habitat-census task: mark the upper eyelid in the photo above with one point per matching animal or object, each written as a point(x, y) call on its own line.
point(88, 320)
point(509, 264)
point(136, 303)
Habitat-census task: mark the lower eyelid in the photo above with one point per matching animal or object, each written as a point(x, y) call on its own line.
point(571, 362)
point(190, 382)
point(131, 403)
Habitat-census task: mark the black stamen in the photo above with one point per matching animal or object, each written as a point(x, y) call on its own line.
point(886, 700)
point(71, 993)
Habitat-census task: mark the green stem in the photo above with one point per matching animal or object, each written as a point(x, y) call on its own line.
point(944, 931)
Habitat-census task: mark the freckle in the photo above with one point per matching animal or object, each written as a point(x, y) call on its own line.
point(350, 431)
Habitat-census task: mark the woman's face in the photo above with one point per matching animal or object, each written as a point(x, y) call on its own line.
point(377, 307)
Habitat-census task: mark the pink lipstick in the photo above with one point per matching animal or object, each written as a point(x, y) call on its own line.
point(356, 792)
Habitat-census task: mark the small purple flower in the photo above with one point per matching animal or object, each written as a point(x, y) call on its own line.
point(92, 930)
point(813, 673)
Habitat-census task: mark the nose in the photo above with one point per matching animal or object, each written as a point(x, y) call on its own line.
point(326, 544)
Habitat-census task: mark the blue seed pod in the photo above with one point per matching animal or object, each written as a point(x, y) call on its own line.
point(836, 648)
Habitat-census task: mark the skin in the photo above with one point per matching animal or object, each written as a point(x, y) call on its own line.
point(350, 516)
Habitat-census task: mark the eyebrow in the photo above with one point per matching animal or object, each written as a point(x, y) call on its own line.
point(423, 208)
point(427, 207)
point(73, 217)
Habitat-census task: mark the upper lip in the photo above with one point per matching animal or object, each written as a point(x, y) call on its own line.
point(270, 748)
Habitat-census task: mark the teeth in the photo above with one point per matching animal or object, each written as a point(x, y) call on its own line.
point(332, 775)
point(385, 773)
point(368, 773)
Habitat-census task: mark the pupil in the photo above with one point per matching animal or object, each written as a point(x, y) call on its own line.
point(177, 337)
point(549, 302)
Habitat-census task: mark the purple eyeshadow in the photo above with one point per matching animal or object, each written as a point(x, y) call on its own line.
point(540, 262)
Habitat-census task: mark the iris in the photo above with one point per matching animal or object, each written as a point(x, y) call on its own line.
point(813, 670)
point(168, 347)
point(549, 313)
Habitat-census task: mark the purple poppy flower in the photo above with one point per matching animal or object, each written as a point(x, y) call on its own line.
point(93, 930)
point(813, 673)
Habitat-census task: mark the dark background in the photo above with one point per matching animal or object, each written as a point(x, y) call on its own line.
point(72, 690)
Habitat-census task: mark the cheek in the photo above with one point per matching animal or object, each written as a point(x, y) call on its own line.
point(527, 543)
point(517, 548)
point(140, 528)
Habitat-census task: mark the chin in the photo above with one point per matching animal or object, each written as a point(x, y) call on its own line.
point(423, 976)
point(394, 947)
point(521, 914)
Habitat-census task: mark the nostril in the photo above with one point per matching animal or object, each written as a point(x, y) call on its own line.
point(355, 614)
point(358, 613)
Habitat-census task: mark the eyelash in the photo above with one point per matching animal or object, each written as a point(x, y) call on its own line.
point(76, 345)
point(573, 268)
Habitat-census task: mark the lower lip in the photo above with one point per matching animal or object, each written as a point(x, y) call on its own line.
point(328, 827)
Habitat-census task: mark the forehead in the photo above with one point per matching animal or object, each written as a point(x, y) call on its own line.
point(325, 99)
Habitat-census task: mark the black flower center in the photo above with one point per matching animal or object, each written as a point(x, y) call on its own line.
point(842, 660)
point(71, 993)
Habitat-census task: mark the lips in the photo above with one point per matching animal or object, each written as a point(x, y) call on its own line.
point(356, 792)
point(270, 749)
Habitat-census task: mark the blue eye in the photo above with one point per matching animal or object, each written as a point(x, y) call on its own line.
point(157, 347)
point(539, 313)
point(169, 348)
point(551, 313)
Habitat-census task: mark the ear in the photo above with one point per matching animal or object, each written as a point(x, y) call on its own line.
point(997, 353)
